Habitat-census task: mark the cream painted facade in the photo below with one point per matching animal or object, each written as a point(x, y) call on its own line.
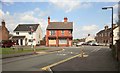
point(89, 38)
point(115, 34)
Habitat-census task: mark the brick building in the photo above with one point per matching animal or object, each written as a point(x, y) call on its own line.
point(103, 37)
point(59, 33)
point(4, 33)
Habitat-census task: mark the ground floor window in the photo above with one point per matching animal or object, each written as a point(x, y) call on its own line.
point(52, 41)
point(62, 41)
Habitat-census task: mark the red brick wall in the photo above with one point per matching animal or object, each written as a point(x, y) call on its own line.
point(4, 33)
point(58, 33)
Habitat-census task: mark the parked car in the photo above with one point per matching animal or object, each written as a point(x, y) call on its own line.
point(7, 43)
point(80, 43)
point(93, 43)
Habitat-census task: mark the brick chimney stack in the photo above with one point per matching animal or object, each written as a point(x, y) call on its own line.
point(65, 19)
point(3, 23)
point(114, 25)
point(48, 20)
point(106, 27)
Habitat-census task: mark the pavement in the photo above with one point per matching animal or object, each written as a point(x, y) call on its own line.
point(101, 60)
point(50, 49)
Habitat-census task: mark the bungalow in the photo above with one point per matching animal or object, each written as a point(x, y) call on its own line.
point(27, 34)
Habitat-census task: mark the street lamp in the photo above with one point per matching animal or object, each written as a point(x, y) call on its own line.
point(31, 31)
point(105, 8)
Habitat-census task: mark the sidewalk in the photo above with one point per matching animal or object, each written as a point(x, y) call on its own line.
point(97, 61)
point(50, 49)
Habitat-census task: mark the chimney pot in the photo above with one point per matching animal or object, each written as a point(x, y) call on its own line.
point(3, 23)
point(65, 19)
point(106, 27)
point(48, 20)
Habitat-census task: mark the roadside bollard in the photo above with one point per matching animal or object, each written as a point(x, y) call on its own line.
point(81, 52)
point(34, 49)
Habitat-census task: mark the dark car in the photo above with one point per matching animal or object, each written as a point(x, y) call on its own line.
point(7, 43)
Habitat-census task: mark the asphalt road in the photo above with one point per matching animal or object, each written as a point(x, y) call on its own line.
point(99, 59)
point(35, 63)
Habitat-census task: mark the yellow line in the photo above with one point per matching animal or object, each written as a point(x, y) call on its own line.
point(46, 67)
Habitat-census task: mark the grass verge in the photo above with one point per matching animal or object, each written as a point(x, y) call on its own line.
point(15, 51)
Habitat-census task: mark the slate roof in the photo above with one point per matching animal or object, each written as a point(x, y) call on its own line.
point(60, 25)
point(18, 37)
point(26, 27)
point(108, 30)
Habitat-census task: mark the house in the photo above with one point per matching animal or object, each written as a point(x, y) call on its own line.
point(89, 38)
point(4, 33)
point(27, 34)
point(116, 34)
point(103, 37)
point(59, 33)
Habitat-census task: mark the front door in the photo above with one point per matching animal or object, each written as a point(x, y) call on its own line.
point(21, 41)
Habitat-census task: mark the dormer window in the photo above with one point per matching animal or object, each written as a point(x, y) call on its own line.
point(17, 33)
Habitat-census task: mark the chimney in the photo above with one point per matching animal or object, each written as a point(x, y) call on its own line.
point(106, 27)
point(114, 25)
point(88, 34)
point(65, 19)
point(3, 23)
point(48, 20)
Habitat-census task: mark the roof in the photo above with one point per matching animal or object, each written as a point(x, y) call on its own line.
point(108, 30)
point(60, 25)
point(26, 27)
point(18, 37)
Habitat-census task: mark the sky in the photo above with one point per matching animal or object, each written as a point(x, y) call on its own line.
point(87, 17)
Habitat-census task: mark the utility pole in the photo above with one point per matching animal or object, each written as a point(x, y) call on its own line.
point(105, 8)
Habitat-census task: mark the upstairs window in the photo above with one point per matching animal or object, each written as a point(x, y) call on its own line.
point(17, 33)
point(62, 32)
point(52, 32)
point(30, 33)
point(70, 32)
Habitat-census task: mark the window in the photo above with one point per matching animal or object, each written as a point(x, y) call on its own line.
point(17, 33)
point(52, 32)
point(70, 32)
point(105, 34)
point(30, 33)
point(62, 32)
point(30, 40)
point(62, 41)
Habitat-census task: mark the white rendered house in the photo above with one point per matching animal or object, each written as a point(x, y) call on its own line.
point(27, 34)
point(115, 34)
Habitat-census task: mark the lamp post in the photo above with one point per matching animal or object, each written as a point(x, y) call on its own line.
point(105, 8)
point(31, 31)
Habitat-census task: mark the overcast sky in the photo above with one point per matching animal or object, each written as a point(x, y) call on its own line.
point(87, 17)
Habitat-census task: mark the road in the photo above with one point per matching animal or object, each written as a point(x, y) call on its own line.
point(36, 62)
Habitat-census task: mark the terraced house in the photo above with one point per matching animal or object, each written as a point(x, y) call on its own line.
point(59, 33)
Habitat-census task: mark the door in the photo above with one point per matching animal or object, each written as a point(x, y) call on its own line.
point(21, 41)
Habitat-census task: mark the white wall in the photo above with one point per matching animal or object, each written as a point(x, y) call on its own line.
point(35, 36)
point(116, 34)
point(89, 38)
